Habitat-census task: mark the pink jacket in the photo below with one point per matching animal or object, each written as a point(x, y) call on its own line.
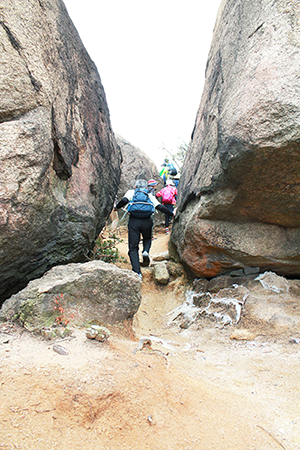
point(168, 195)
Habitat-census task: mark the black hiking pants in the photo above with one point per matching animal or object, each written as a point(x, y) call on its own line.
point(168, 218)
point(136, 228)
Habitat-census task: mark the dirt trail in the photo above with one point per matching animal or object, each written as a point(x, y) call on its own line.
point(199, 389)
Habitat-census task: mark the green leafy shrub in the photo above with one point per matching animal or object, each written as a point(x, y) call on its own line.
point(106, 250)
point(177, 154)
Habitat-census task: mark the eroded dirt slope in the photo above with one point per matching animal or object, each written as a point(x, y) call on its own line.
point(195, 389)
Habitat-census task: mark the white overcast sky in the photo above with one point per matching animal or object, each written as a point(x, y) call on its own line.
point(151, 58)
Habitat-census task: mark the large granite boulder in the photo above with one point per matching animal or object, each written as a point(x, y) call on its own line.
point(239, 197)
point(60, 163)
point(79, 294)
point(135, 165)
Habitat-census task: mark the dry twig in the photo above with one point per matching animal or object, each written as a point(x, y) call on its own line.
point(276, 440)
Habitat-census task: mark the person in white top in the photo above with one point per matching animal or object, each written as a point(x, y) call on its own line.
point(140, 222)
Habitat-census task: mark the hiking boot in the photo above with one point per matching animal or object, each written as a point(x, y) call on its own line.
point(140, 275)
point(167, 231)
point(146, 259)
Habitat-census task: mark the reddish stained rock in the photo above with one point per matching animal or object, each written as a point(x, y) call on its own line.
point(239, 198)
point(60, 163)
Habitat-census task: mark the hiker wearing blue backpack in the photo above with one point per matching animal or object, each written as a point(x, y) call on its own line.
point(168, 170)
point(141, 206)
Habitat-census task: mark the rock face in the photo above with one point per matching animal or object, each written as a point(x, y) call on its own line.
point(60, 164)
point(161, 274)
point(267, 304)
point(93, 292)
point(136, 165)
point(239, 198)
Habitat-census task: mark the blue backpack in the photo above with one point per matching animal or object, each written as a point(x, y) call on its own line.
point(141, 206)
point(172, 170)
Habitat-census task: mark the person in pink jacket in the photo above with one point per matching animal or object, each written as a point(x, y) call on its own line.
point(168, 195)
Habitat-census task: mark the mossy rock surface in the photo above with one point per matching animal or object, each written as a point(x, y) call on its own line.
point(76, 294)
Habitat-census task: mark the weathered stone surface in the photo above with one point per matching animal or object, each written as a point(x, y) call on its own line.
point(60, 164)
point(175, 270)
point(200, 285)
point(161, 274)
point(202, 299)
point(239, 198)
point(92, 292)
point(100, 334)
point(222, 282)
point(265, 306)
point(294, 288)
point(239, 293)
point(243, 335)
point(272, 282)
point(161, 256)
point(135, 165)
point(272, 302)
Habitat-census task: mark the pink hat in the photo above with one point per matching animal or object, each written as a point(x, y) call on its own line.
point(152, 183)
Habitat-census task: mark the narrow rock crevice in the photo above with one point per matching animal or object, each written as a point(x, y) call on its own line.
point(257, 29)
point(59, 164)
point(189, 200)
point(37, 85)
point(7, 116)
point(14, 42)
point(17, 46)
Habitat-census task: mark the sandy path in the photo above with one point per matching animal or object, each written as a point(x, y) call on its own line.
point(200, 390)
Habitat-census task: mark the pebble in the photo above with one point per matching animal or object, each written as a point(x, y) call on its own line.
point(98, 333)
point(295, 341)
point(243, 335)
point(60, 349)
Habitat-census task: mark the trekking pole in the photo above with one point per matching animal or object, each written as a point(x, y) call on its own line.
point(122, 218)
point(126, 211)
